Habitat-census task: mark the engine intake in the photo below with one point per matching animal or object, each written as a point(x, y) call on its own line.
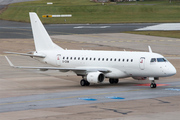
point(95, 77)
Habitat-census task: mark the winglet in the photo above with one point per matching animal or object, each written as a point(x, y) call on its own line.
point(150, 49)
point(10, 63)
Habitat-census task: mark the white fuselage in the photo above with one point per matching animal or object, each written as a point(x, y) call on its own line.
point(120, 63)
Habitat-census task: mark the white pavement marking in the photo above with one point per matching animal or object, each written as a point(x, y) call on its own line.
point(92, 27)
point(164, 26)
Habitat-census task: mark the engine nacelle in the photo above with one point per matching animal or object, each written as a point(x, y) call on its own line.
point(139, 78)
point(95, 77)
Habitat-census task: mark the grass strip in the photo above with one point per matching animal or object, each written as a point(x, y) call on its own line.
point(84, 11)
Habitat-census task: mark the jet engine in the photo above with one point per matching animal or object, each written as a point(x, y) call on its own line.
point(95, 77)
point(139, 78)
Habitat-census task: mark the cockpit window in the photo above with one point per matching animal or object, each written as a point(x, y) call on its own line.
point(161, 60)
point(153, 59)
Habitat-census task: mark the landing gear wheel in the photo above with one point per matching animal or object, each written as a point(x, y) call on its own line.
point(83, 82)
point(153, 85)
point(116, 81)
point(87, 83)
point(111, 81)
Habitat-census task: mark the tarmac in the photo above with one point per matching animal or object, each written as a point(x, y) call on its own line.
point(52, 95)
point(36, 95)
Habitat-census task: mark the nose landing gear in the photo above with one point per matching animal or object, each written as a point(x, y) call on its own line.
point(153, 84)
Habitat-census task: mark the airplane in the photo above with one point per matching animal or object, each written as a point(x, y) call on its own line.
point(94, 66)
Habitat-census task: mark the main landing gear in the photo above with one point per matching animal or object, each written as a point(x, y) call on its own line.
point(111, 81)
point(153, 84)
point(84, 82)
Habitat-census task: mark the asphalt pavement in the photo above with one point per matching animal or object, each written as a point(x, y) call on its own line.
point(10, 29)
point(62, 99)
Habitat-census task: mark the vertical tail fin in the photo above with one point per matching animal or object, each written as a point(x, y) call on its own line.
point(42, 39)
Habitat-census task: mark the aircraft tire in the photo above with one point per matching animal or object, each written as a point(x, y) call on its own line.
point(116, 81)
point(83, 82)
point(153, 85)
point(111, 81)
point(87, 83)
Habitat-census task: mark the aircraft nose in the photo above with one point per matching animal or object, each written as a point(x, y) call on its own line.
point(172, 70)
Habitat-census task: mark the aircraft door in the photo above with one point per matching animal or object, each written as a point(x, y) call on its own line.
point(142, 63)
point(58, 59)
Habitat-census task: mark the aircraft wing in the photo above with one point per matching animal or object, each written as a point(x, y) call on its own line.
point(60, 69)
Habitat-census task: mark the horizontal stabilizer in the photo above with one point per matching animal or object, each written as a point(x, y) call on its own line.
point(25, 54)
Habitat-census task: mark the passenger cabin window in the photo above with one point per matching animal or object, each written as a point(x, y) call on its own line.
point(103, 59)
point(67, 58)
point(119, 60)
point(99, 59)
point(111, 59)
point(63, 57)
point(94, 58)
point(78, 58)
point(114, 59)
point(127, 60)
point(131, 60)
point(90, 59)
point(123, 60)
point(106, 59)
point(82, 58)
point(71, 58)
point(161, 60)
point(153, 60)
point(74, 58)
point(86, 58)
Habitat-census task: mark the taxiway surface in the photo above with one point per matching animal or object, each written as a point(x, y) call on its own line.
point(37, 95)
point(9, 29)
